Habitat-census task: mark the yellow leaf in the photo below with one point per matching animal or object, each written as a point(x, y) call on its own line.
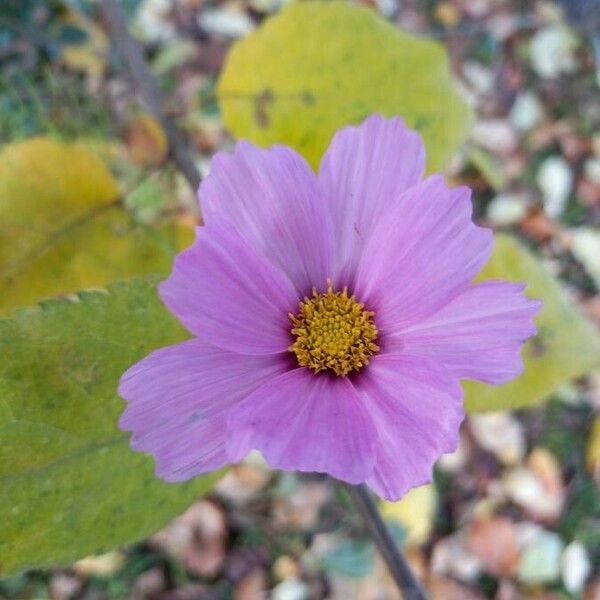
point(415, 512)
point(102, 565)
point(592, 454)
point(90, 56)
point(318, 66)
point(44, 186)
point(567, 345)
point(63, 227)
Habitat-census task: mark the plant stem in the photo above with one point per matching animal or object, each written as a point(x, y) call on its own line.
point(133, 55)
point(407, 583)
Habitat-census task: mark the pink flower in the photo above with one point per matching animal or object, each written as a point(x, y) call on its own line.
point(334, 315)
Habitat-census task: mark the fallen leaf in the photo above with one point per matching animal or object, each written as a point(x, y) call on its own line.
point(547, 469)
point(540, 559)
point(101, 565)
point(451, 556)
point(592, 453)
point(146, 142)
point(415, 512)
point(495, 543)
point(444, 588)
point(525, 488)
point(538, 226)
point(63, 227)
point(500, 433)
point(91, 55)
point(566, 346)
point(318, 66)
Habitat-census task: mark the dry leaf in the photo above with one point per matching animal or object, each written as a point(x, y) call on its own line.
point(147, 142)
point(415, 512)
point(495, 543)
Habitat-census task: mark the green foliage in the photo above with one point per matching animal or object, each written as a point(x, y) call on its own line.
point(37, 24)
point(491, 170)
point(148, 200)
point(34, 34)
point(318, 66)
point(566, 346)
point(350, 558)
point(46, 46)
point(70, 484)
point(63, 227)
point(581, 512)
point(51, 102)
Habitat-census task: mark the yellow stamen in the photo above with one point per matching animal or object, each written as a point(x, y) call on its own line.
point(333, 332)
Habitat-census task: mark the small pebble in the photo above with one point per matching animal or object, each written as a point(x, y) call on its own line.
point(290, 589)
point(555, 180)
point(553, 51)
point(479, 78)
point(495, 135)
point(226, 23)
point(575, 567)
point(152, 22)
point(64, 587)
point(585, 245)
point(527, 111)
point(591, 169)
point(540, 559)
point(500, 433)
point(388, 8)
point(506, 209)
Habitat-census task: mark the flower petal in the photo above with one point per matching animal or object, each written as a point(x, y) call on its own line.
point(306, 422)
point(417, 410)
point(178, 401)
point(363, 173)
point(224, 291)
point(424, 252)
point(477, 335)
point(273, 199)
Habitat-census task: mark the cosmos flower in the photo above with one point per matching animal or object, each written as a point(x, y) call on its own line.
point(333, 316)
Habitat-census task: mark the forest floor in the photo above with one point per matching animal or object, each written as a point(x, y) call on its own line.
point(515, 512)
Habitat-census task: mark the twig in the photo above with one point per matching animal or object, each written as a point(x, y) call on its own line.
point(405, 580)
point(133, 55)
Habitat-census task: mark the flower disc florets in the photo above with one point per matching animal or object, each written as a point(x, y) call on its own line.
point(333, 332)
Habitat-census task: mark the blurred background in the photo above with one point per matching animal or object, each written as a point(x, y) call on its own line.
point(515, 512)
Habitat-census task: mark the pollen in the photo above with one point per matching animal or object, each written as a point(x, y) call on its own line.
point(333, 332)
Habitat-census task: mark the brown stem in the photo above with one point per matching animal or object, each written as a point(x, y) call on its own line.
point(133, 55)
point(407, 583)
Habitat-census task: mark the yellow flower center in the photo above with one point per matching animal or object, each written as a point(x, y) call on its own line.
point(333, 331)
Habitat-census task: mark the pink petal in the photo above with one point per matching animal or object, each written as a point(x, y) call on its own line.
point(421, 254)
point(306, 422)
point(417, 410)
point(178, 399)
point(478, 334)
point(225, 292)
point(363, 173)
point(272, 198)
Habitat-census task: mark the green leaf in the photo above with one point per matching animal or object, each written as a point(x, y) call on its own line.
point(318, 66)
point(567, 345)
point(148, 200)
point(63, 227)
point(490, 168)
point(70, 484)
